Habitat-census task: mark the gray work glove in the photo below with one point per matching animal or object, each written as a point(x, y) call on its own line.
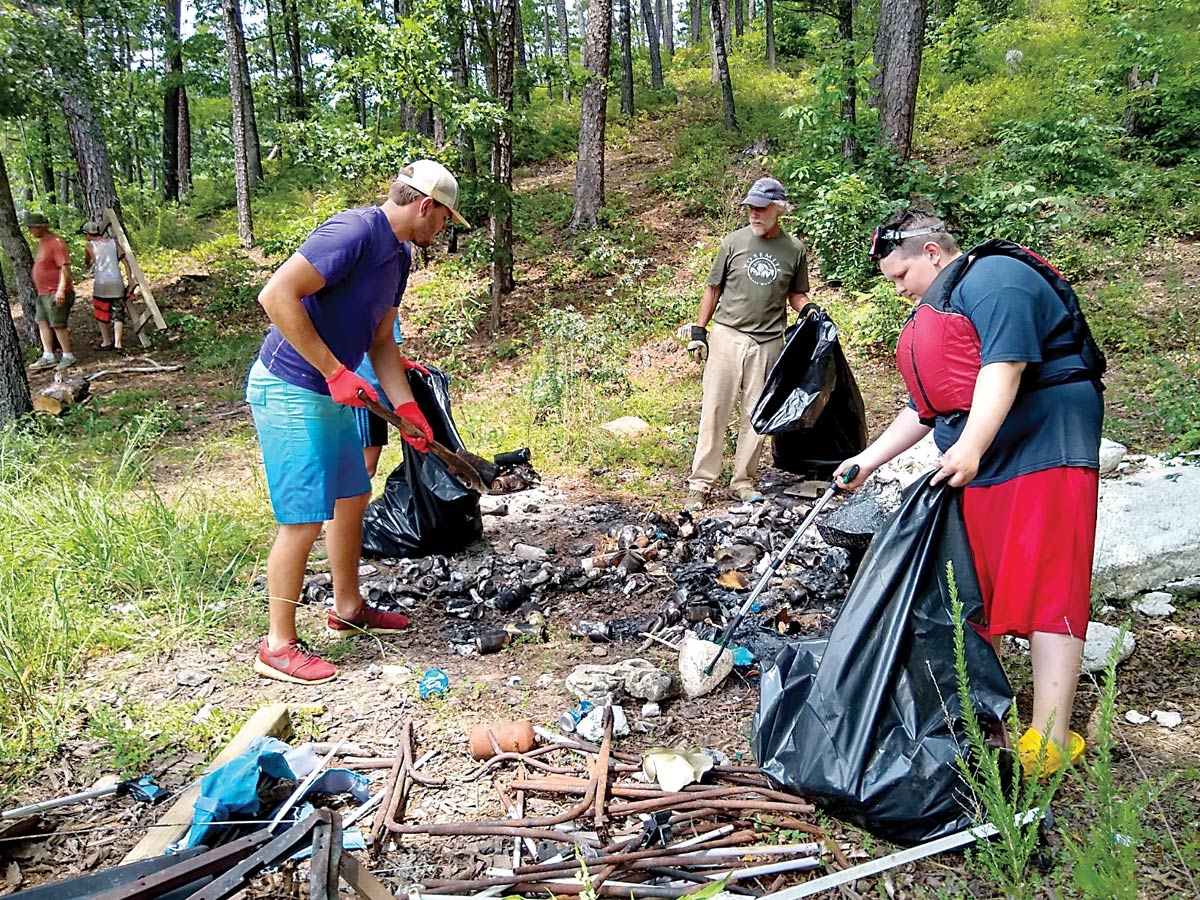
point(697, 341)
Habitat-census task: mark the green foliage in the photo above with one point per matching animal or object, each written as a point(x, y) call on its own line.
point(96, 560)
point(1059, 154)
point(577, 358)
point(1001, 797)
point(888, 312)
point(1103, 848)
point(347, 151)
point(838, 223)
point(1176, 391)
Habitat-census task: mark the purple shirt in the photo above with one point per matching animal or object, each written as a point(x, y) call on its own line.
point(365, 270)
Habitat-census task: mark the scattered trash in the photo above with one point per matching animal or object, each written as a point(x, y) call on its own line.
point(591, 726)
point(1167, 719)
point(675, 769)
point(434, 683)
point(486, 741)
point(570, 719)
point(1133, 717)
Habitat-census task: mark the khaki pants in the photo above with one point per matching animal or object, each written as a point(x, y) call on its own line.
point(736, 369)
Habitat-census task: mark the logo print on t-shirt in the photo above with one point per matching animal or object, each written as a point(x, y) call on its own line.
point(762, 268)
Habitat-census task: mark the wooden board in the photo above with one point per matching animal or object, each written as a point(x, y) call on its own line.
point(138, 318)
point(273, 721)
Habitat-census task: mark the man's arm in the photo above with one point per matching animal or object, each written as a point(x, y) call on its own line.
point(906, 429)
point(708, 304)
point(995, 390)
point(798, 300)
point(280, 298)
point(386, 361)
point(64, 272)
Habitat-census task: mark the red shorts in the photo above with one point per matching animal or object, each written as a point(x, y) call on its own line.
point(1032, 539)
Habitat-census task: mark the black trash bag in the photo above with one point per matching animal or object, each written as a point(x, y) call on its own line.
point(424, 509)
point(859, 723)
point(811, 402)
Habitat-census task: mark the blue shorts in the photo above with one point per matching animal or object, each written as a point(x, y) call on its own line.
point(310, 448)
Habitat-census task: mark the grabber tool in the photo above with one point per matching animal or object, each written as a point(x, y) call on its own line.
point(847, 476)
point(143, 789)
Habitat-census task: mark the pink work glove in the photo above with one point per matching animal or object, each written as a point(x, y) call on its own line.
point(410, 366)
point(344, 386)
point(411, 413)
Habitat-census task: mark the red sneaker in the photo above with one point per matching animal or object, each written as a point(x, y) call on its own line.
point(367, 619)
point(295, 663)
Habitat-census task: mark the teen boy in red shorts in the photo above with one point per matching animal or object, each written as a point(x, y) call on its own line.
point(993, 369)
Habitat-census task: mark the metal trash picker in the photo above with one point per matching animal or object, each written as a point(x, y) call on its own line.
point(848, 476)
point(141, 789)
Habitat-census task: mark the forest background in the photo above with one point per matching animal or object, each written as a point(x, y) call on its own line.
point(602, 148)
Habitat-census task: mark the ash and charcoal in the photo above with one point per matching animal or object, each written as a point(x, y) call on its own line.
point(686, 573)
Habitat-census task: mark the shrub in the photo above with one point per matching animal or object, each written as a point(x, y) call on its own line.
point(838, 224)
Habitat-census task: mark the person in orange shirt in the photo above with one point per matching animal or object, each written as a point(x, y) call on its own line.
point(56, 293)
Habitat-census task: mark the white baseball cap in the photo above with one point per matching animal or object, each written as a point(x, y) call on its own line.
point(434, 180)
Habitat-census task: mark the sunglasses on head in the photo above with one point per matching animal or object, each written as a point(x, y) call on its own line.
point(885, 240)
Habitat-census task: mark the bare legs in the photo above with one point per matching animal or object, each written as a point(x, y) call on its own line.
point(1056, 659)
point(289, 557)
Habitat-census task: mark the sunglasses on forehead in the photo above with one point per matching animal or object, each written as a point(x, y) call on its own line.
point(885, 240)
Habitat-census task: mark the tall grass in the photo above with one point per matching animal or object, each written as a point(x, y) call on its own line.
point(96, 559)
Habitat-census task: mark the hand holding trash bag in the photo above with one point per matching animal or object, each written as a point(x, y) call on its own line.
point(410, 366)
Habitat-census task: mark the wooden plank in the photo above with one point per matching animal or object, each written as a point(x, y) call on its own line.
point(365, 884)
point(273, 721)
point(143, 286)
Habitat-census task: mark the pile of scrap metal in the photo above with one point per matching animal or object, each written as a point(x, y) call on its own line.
point(204, 874)
point(611, 834)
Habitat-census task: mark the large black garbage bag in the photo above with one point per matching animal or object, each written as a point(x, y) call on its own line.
point(811, 402)
point(424, 509)
point(869, 725)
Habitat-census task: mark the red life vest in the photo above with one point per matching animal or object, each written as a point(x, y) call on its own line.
point(938, 357)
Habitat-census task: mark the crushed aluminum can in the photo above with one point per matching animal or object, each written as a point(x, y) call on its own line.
point(570, 720)
point(434, 683)
point(592, 630)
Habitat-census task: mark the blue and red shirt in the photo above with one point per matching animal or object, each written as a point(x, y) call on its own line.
point(1002, 311)
point(365, 270)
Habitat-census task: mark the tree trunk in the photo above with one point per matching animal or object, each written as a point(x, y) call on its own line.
point(173, 77)
point(750, 4)
point(845, 23)
point(769, 15)
point(274, 53)
point(12, 239)
point(656, 76)
point(462, 80)
point(237, 100)
point(722, 63)
point(623, 35)
point(46, 159)
point(589, 167)
point(291, 30)
point(235, 39)
point(481, 12)
point(15, 401)
point(666, 23)
point(521, 62)
point(564, 47)
point(185, 146)
point(91, 156)
point(739, 18)
point(500, 226)
point(696, 20)
point(898, 56)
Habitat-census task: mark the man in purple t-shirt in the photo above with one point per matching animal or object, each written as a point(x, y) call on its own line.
point(332, 303)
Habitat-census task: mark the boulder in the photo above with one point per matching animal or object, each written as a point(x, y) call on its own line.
point(694, 657)
point(1101, 640)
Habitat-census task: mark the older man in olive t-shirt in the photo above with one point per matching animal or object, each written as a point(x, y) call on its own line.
point(759, 271)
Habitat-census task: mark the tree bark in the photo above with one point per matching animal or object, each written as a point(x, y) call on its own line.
point(696, 20)
point(739, 18)
point(589, 166)
point(722, 64)
point(623, 34)
point(898, 56)
point(769, 15)
point(12, 239)
point(274, 53)
point(237, 99)
point(500, 226)
point(185, 146)
point(291, 30)
point(173, 77)
point(656, 75)
point(46, 159)
point(845, 26)
point(564, 46)
point(15, 400)
point(521, 62)
point(235, 39)
point(91, 156)
point(666, 23)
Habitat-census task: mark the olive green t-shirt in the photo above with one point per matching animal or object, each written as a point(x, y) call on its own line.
point(755, 276)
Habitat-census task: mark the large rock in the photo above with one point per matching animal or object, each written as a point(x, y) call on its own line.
point(694, 657)
point(1101, 640)
point(631, 677)
point(1111, 454)
point(1148, 533)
